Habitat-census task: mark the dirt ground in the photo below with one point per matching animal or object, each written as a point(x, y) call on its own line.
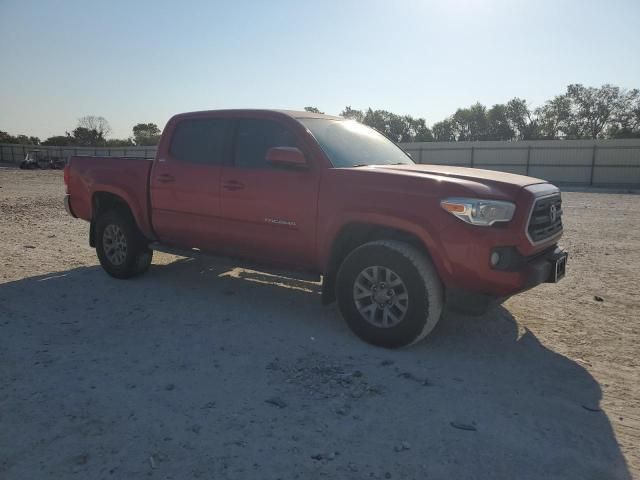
point(199, 369)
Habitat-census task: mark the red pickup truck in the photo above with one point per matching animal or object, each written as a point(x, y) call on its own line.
point(393, 241)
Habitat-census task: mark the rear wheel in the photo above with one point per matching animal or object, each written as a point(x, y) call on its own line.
point(389, 293)
point(120, 246)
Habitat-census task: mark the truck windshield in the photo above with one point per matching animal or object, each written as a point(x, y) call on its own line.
point(348, 143)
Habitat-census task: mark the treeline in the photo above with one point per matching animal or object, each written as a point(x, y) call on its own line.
point(580, 112)
point(92, 131)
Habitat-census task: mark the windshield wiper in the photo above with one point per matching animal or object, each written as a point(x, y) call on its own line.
point(377, 164)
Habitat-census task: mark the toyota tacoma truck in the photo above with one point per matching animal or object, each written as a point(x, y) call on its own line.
point(394, 242)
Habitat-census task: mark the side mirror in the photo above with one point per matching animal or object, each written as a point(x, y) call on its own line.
point(286, 157)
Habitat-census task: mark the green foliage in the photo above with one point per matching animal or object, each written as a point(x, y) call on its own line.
point(593, 108)
point(18, 139)
point(590, 112)
point(398, 128)
point(91, 131)
point(352, 114)
point(499, 127)
point(146, 134)
point(119, 142)
point(59, 141)
point(617, 132)
point(477, 123)
point(444, 131)
point(522, 120)
point(97, 124)
point(85, 137)
point(626, 120)
point(419, 132)
point(471, 123)
point(581, 112)
point(555, 118)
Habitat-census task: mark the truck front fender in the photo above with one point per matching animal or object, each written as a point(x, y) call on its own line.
point(376, 226)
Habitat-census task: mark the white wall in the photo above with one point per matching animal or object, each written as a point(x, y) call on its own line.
point(577, 162)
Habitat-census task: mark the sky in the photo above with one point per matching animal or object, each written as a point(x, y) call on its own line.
point(143, 61)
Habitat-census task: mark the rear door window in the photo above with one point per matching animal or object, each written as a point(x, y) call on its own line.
point(204, 141)
point(254, 137)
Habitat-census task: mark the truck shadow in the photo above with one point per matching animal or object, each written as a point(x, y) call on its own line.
point(176, 365)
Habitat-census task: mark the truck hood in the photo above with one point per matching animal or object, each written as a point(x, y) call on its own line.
point(463, 173)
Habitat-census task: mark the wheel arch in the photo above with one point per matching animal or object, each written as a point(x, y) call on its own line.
point(103, 201)
point(354, 234)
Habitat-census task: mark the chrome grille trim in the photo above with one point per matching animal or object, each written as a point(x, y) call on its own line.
point(553, 225)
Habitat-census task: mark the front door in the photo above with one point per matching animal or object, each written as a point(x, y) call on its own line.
point(269, 212)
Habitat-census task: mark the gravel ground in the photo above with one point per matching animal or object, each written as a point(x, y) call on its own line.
point(199, 369)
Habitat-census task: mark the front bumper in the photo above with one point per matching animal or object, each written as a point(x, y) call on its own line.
point(529, 271)
point(542, 268)
point(67, 205)
point(536, 269)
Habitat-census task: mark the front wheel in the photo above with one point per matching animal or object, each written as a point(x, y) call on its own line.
point(389, 293)
point(120, 246)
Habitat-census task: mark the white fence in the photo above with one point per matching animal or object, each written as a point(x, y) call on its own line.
point(16, 153)
point(613, 163)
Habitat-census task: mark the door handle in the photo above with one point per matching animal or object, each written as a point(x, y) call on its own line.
point(166, 178)
point(233, 185)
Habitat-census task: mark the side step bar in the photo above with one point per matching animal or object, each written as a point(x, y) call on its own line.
point(197, 253)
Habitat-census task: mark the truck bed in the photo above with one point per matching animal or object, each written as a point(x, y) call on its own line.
point(127, 177)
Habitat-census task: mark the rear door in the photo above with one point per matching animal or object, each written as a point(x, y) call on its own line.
point(269, 212)
point(185, 183)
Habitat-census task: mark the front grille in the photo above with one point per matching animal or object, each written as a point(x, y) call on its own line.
point(546, 218)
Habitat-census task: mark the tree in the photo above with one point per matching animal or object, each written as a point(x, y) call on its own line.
point(397, 128)
point(119, 142)
point(444, 131)
point(85, 137)
point(521, 119)
point(18, 139)
point(626, 123)
point(146, 134)
point(418, 130)
point(581, 112)
point(471, 123)
point(352, 114)
point(26, 140)
point(91, 131)
point(555, 118)
point(99, 124)
point(377, 119)
point(59, 141)
point(498, 125)
point(594, 108)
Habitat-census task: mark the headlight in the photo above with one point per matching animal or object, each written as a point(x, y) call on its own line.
point(479, 212)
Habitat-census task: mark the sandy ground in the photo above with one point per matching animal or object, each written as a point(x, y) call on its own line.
point(202, 370)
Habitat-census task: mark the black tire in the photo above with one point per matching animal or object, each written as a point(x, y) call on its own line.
point(419, 279)
point(137, 256)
